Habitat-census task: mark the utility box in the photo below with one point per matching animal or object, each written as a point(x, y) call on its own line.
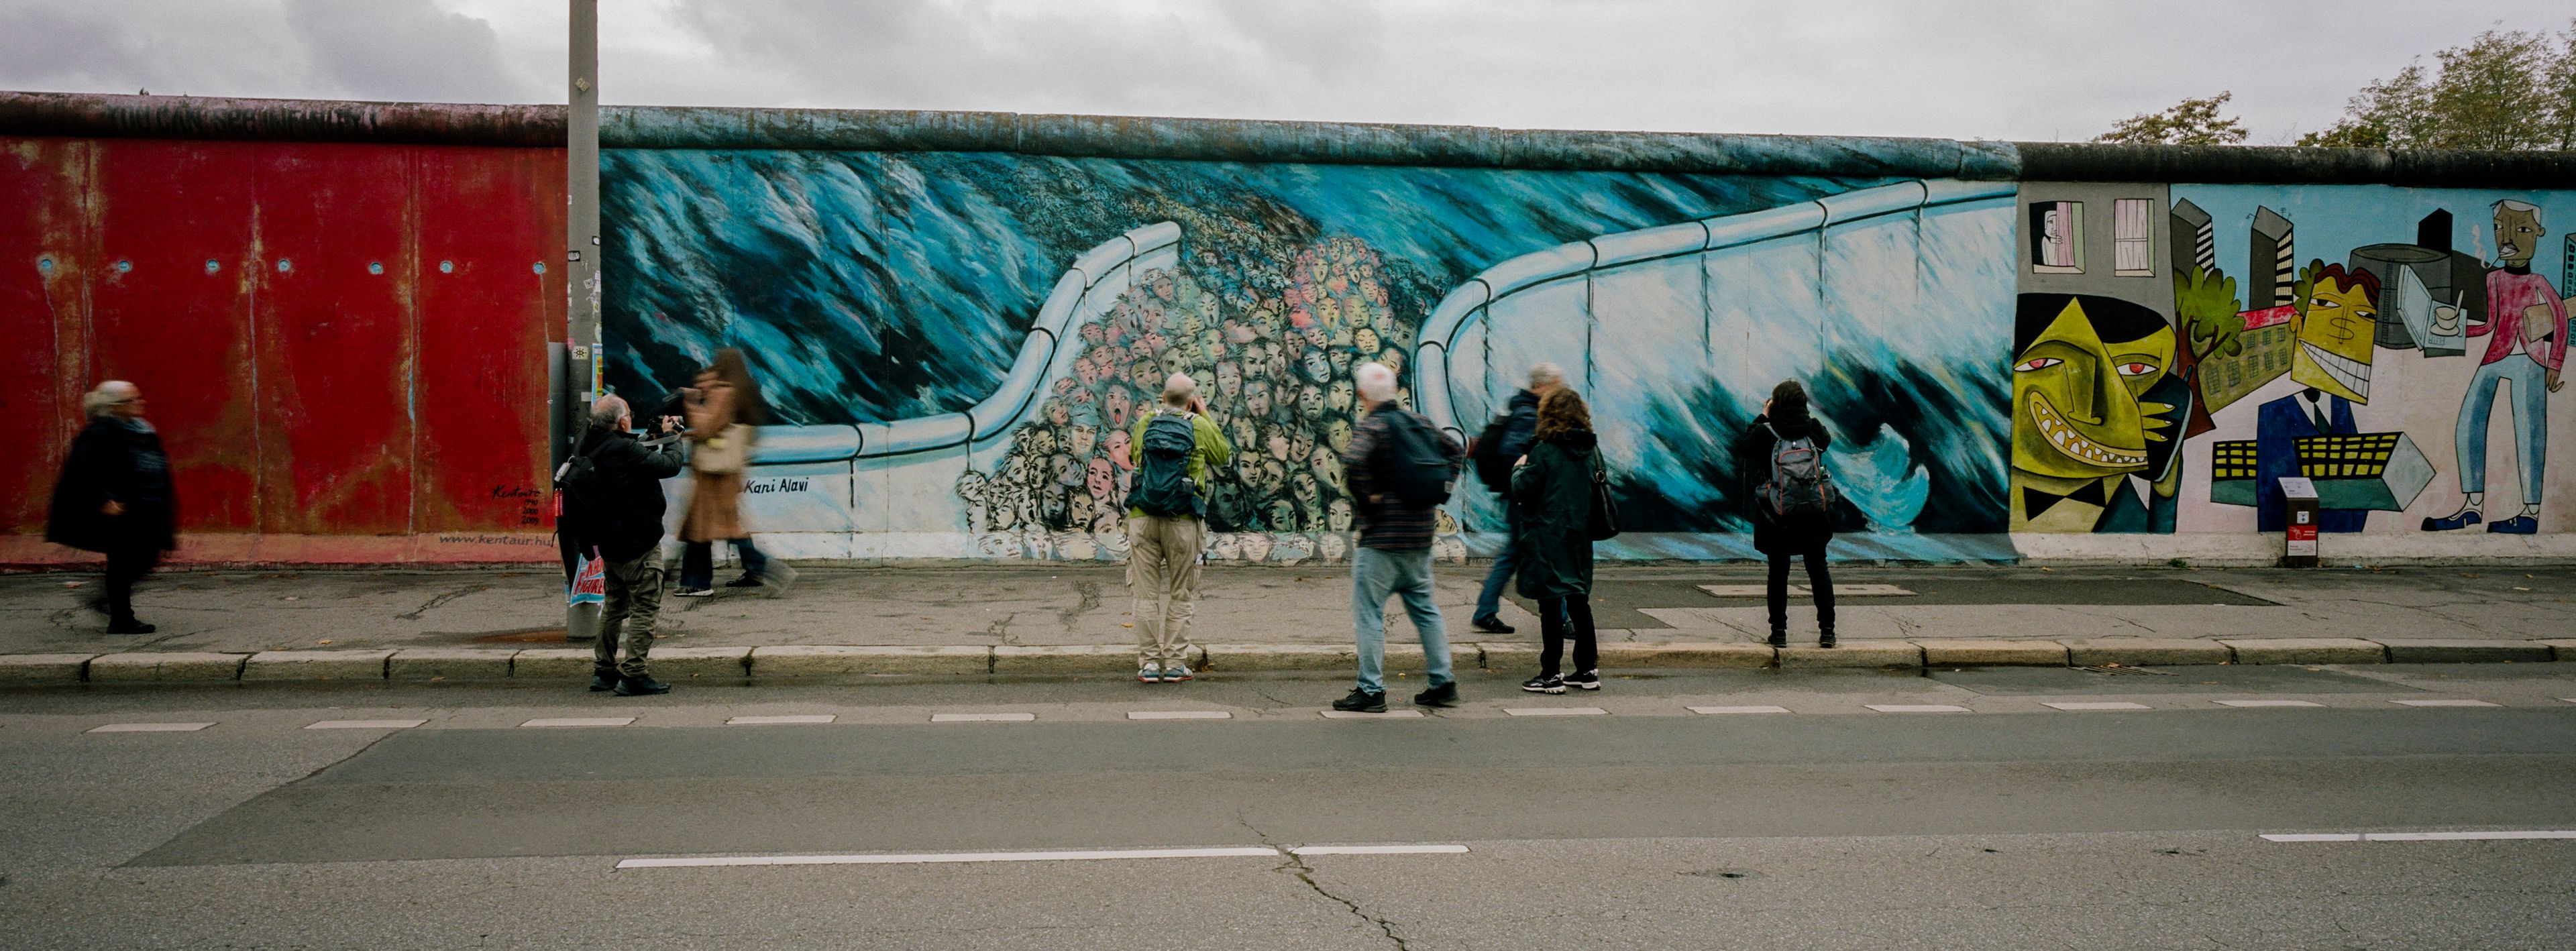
point(2299, 506)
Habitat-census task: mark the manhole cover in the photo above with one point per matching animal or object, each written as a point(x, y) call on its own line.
point(2117, 669)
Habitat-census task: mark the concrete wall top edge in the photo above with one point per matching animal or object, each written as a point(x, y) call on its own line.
point(1133, 137)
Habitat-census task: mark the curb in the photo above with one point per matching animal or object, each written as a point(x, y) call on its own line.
point(786, 662)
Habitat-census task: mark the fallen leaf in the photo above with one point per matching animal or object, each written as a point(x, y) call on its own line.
point(1126, 625)
point(323, 641)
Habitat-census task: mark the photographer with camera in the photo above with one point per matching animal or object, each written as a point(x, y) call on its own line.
point(612, 490)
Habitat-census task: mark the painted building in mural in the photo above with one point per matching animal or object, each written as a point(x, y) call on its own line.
point(2021, 350)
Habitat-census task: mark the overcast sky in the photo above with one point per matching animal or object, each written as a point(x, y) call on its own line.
point(1999, 69)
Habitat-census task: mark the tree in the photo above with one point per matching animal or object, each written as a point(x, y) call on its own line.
point(2503, 91)
point(2189, 122)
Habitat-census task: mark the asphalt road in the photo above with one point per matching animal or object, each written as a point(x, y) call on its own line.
point(2009, 823)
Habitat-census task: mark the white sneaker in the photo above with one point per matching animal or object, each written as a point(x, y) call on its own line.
point(1149, 673)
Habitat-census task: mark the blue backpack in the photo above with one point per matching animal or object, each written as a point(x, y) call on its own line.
point(1163, 484)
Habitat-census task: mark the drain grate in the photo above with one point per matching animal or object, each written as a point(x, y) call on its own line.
point(2117, 669)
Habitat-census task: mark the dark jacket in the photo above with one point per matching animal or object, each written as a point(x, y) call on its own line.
point(114, 461)
point(1554, 541)
point(1797, 534)
point(1520, 428)
point(623, 516)
point(1385, 522)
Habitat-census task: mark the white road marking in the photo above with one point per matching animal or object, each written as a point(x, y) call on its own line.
point(982, 717)
point(1179, 715)
point(1556, 711)
point(1354, 715)
point(1378, 850)
point(2421, 836)
point(366, 724)
point(1915, 708)
point(790, 718)
point(2097, 705)
point(150, 728)
point(579, 721)
point(937, 858)
point(2268, 703)
point(1714, 711)
point(2444, 703)
point(1801, 591)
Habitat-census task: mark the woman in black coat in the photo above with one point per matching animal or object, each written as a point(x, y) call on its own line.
point(114, 498)
point(1784, 417)
point(1553, 485)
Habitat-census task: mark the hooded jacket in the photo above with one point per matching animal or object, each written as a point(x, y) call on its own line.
point(1555, 495)
point(1797, 534)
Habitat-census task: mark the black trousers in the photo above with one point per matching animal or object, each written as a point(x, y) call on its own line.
point(1818, 579)
point(125, 566)
point(1555, 616)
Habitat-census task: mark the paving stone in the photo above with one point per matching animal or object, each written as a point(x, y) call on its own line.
point(163, 667)
point(448, 663)
point(834, 660)
point(1869, 653)
point(2145, 651)
point(721, 663)
point(1685, 654)
point(316, 665)
point(1983, 652)
point(2438, 651)
point(17, 669)
point(2308, 650)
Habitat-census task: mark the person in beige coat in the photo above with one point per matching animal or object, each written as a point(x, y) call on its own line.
point(724, 407)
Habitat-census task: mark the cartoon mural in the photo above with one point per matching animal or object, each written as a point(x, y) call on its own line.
point(2338, 370)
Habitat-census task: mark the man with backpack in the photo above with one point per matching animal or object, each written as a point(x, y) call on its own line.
point(612, 492)
point(1399, 468)
point(1502, 445)
point(1782, 456)
point(1167, 525)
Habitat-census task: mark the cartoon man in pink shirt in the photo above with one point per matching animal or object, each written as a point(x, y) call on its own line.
point(2527, 346)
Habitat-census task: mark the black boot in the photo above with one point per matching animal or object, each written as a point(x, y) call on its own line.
point(1779, 638)
point(1825, 639)
point(129, 626)
point(643, 686)
point(1445, 695)
point(1362, 701)
point(601, 680)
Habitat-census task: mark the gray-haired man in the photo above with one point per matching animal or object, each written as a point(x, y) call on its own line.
point(1520, 428)
point(613, 511)
point(1175, 445)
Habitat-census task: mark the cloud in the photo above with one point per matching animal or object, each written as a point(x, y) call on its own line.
point(404, 49)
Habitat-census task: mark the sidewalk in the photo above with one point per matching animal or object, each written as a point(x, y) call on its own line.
point(1049, 619)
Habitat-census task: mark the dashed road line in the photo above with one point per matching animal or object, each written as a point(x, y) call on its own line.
point(2420, 836)
point(2096, 705)
point(579, 721)
point(149, 728)
point(365, 724)
point(775, 720)
point(1723, 711)
point(941, 858)
point(1915, 708)
point(2268, 703)
point(2444, 703)
point(982, 717)
point(1556, 711)
point(1387, 715)
point(1179, 715)
point(1305, 850)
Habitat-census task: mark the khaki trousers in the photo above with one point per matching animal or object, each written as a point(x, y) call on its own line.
point(1163, 578)
point(626, 619)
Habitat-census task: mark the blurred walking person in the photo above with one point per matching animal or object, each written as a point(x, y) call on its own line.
point(724, 409)
point(1501, 447)
point(1167, 525)
point(1399, 468)
point(612, 489)
point(115, 498)
point(1553, 485)
point(1782, 456)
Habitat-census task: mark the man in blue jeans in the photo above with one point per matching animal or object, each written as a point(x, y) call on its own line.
point(1520, 427)
point(1394, 553)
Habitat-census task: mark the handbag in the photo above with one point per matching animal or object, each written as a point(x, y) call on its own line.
point(1605, 510)
point(725, 454)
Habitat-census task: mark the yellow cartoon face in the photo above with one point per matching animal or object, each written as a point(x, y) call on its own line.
point(2077, 408)
point(2335, 325)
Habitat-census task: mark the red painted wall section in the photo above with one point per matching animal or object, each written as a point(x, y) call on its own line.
point(342, 345)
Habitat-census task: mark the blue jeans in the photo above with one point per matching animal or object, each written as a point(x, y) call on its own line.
point(2530, 410)
point(698, 563)
point(1377, 573)
point(1490, 600)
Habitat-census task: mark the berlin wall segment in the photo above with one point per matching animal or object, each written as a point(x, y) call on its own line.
point(957, 315)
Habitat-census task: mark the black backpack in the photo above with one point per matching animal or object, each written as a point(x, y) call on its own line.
point(1163, 484)
point(1487, 453)
point(585, 493)
point(1799, 484)
point(1417, 465)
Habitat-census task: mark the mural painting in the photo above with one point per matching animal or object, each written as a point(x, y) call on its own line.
point(2341, 370)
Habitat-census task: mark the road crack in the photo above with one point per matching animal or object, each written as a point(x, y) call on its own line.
point(1295, 865)
point(433, 603)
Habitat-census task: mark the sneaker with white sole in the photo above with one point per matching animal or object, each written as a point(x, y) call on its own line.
point(1544, 683)
point(1149, 673)
point(1176, 672)
point(1586, 680)
point(694, 593)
